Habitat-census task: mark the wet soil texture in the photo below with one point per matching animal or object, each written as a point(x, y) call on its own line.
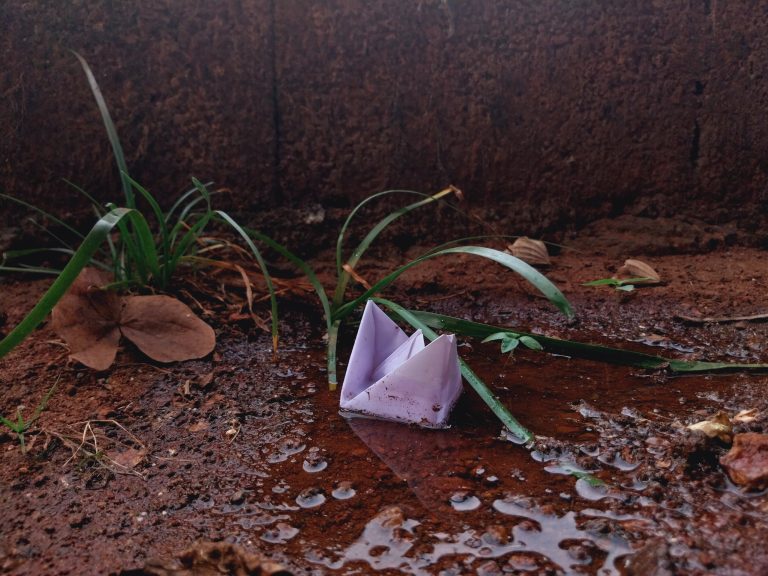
point(247, 447)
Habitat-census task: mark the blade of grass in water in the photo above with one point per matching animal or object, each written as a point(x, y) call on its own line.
point(582, 350)
point(79, 260)
point(496, 406)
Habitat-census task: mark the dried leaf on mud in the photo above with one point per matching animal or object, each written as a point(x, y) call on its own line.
point(129, 458)
point(638, 269)
point(213, 559)
point(718, 426)
point(747, 461)
point(87, 318)
point(165, 329)
point(91, 320)
point(530, 251)
point(747, 416)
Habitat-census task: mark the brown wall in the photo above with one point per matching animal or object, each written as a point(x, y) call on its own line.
point(556, 111)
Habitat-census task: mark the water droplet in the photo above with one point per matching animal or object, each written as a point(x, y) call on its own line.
point(310, 498)
point(343, 491)
point(464, 502)
point(314, 467)
point(617, 461)
point(280, 534)
point(591, 491)
point(314, 462)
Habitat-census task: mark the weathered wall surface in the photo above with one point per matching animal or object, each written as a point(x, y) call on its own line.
point(555, 111)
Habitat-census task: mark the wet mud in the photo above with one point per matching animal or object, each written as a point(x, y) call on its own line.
point(129, 467)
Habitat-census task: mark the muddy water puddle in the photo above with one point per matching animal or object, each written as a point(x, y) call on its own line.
point(609, 473)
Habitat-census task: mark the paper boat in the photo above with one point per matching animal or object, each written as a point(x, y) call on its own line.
point(395, 377)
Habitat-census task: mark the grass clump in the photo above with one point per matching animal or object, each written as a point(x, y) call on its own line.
point(148, 248)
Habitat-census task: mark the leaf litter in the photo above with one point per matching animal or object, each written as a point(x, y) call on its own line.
point(92, 319)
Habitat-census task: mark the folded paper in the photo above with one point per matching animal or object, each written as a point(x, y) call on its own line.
point(396, 377)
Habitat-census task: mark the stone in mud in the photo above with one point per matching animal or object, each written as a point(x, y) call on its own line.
point(212, 559)
point(747, 462)
point(653, 559)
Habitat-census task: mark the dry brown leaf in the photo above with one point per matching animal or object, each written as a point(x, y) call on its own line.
point(746, 416)
point(90, 320)
point(213, 559)
point(638, 269)
point(530, 251)
point(718, 426)
point(129, 458)
point(87, 319)
point(165, 329)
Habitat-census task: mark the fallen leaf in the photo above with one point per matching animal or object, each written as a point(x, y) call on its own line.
point(747, 461)
point(129, 458)
point(718, 426)
point(746, 416)
point(638, 269)
point(91, 319)
point(205, 379)
point(87, 318)
point(530, 251)
point(211, 559)
point(165, 329)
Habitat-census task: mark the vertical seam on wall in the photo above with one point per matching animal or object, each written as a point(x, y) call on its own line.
point(276, 191)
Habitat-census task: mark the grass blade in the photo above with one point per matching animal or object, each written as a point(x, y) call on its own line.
point(262, 265)
point(493, 402)
point(358, 252)
point(536, 278)
point(581, 350)
point(114, 140)
point(79, 260)
point(301, 265)
point(42, 213)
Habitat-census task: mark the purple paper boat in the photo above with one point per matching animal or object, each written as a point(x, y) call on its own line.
point(395, 377)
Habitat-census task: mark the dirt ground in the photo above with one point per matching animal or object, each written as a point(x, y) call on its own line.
point(128, 468)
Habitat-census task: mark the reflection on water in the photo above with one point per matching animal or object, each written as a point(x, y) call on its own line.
point(525, 537)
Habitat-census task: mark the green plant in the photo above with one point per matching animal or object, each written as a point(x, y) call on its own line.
point(137, 255)
point(574, 349)
point(623, 284)
point(338, 308)
point(21, 426)
point(511, 340)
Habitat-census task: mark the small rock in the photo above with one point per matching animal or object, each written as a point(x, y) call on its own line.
point(747, 462)
point(653, 559)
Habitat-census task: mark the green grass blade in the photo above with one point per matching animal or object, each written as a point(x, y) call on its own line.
point(596, 352)
point(262, 265)
point(301, 265)
point(95, 203)
point(358, 252)
point(355, 210)
point(496, 406)
point(184, 197)
point(158, 212)
point(693, 367)
point(528, 272)
point(42, 213)
point(79, 260)
point(114, 140)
